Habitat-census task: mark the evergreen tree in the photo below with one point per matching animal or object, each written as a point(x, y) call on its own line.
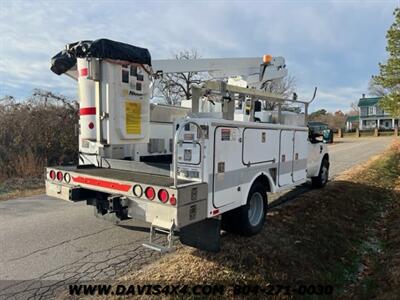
point(389, 77)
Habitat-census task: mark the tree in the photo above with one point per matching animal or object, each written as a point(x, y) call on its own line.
point(284, 87)
point(334, 120)
point(177, 86)
point(354, 109)
point(389, 75)
point(37, 131)
point(376, 89)
point(317, 114)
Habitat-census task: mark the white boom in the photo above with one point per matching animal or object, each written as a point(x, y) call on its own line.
point(249, 68)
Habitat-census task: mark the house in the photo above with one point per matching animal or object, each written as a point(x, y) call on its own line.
point(352, 122)
point(372, 116)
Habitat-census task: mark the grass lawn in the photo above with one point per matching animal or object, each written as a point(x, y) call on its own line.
point(345, 235)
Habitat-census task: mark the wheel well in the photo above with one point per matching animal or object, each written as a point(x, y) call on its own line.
point(263, 179)
point(326, 157)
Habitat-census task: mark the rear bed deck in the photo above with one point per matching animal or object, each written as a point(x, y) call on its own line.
point(132, 176)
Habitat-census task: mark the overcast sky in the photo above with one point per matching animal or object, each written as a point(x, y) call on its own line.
point(335, 45)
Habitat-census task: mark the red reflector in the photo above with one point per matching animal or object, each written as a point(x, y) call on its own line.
point(150, 193)
point(172, 200)
point(60, 176)
point(52, 175)
point(215, 211)
point(87, 111)
point(163, 196)
point(91, 125)
point(83, 72)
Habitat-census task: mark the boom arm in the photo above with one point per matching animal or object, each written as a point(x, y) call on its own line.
point(248, 68)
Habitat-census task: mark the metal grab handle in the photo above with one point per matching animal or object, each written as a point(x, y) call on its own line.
point(175, 160)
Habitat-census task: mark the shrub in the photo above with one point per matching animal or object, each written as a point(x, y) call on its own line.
point(36, 132)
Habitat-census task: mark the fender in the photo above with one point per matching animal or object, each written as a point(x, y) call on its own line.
point(271, 183)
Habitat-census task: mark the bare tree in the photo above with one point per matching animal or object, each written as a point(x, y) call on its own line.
point(284, 87)
point(175, 87)
point(376, 89)
point(178, 86)
point(354, 109)
point(49, 98)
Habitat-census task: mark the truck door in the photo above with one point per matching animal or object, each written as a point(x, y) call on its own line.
point(286, 157)
point(300, 155)
point(227, 164)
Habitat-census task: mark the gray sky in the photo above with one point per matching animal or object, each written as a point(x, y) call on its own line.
point(335, 45)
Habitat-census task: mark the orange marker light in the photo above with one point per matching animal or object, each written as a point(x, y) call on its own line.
point(267, 58)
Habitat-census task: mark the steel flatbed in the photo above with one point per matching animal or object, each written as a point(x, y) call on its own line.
point(124, 175)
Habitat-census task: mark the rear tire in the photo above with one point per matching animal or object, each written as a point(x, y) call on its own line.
point(323, 175)
point(248, 219)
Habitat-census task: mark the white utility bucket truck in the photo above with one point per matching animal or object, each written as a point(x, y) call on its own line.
point(190, 170)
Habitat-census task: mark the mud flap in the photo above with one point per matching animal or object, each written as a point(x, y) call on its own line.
point(203, 235)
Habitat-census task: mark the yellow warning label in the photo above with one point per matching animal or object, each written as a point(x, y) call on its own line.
point(132, 117)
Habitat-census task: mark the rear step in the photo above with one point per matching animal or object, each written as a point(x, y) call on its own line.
point(157, 247)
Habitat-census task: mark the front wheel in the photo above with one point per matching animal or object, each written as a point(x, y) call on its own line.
point(323, 175)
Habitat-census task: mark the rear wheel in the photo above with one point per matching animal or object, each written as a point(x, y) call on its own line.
point(248, 219)
point(323, 175)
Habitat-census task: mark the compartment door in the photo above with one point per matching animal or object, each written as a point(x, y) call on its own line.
point(300, 155)
point(227, 164)
point(286, 157)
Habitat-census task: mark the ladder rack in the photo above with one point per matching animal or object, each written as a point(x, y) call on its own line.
point(229, 92)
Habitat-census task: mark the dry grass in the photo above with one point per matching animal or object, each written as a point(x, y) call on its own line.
point(36, 132)
point(21, 187)
point(322, 237)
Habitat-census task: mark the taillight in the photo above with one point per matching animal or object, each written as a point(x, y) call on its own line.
point(137, 190)
point(59, 176)
point(172, 200)
point(52, 174)
point(163, 196)
point(67, 177)
point(150, 193)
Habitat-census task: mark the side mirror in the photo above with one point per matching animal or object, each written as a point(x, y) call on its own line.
point(327, 136)
point(313, 135)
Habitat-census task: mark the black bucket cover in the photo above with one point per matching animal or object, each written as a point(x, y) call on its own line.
point(101, 48)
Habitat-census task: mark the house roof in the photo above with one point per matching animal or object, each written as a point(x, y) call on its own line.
point(368, 101)
point(352, 118)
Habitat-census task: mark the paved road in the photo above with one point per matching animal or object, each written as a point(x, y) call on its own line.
point(349, 152)
point(46, 242)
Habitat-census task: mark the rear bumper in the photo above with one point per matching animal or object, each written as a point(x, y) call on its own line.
point(191, 200)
